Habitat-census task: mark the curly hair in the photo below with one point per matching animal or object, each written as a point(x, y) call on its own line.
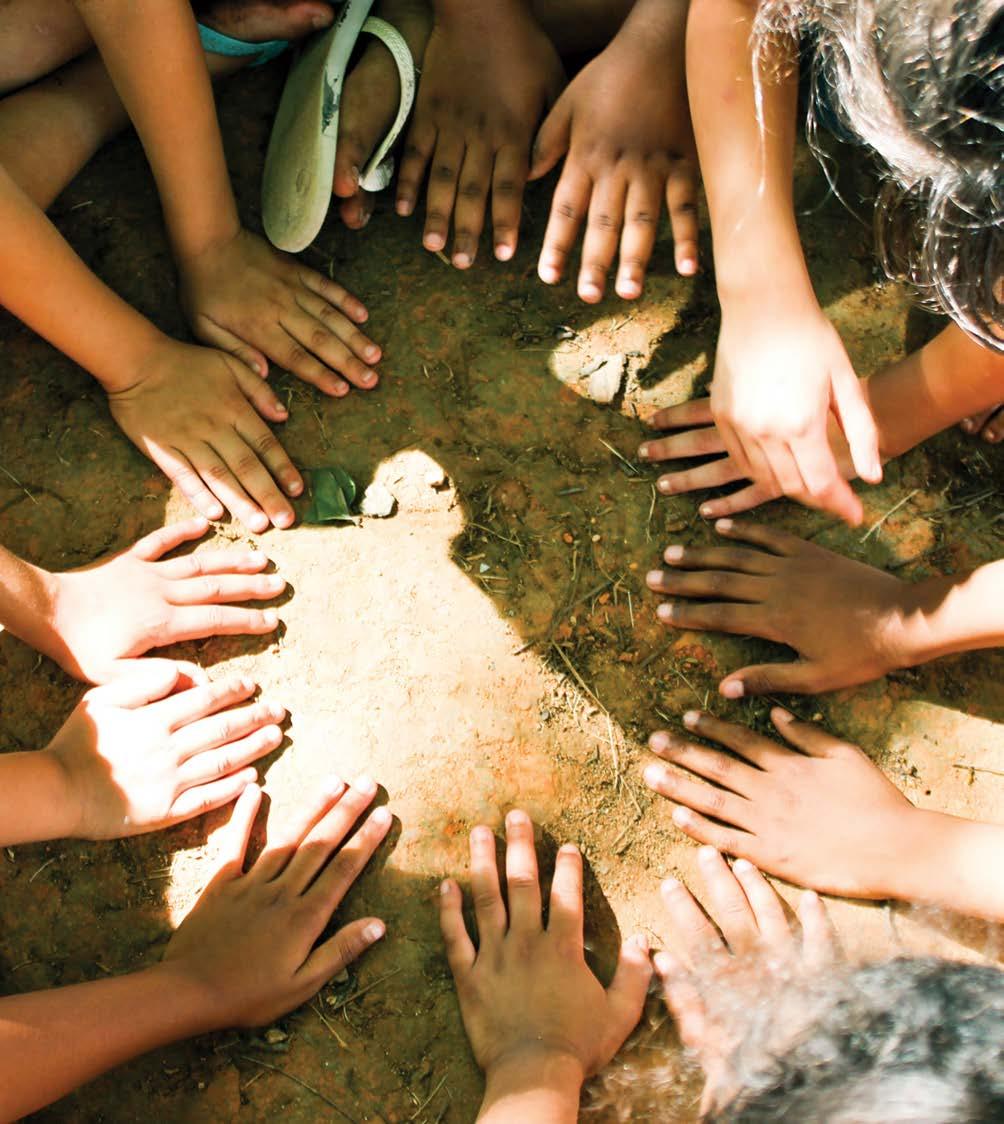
point(905, 1041)
point(922, 85)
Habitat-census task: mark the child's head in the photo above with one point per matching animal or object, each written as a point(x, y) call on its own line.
point(906, 1041)
point(922, 84)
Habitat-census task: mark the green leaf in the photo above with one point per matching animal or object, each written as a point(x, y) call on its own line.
point(332, 492)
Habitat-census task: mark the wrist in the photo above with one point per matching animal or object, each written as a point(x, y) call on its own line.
point(752, 273)
point(199, 1003)
point(535, 1068)
point(135, 353)
point(42, 802)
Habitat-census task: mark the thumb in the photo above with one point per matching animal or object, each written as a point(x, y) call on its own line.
point(626, 995)
point(800, 677)
point(212, 334)
point(858, 424)
point(144, 682)
point(237, 834)
point(347, 945)
point(552, 139)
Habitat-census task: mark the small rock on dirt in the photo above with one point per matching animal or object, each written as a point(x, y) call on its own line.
point(606, 379)
point(377, 502)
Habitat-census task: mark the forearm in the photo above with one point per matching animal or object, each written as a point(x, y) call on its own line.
point(536, 1092)
point(957, 613)
point(46, 285)
point(53, 1041)
point(35, 802)
point(152, 52)
point(746, 151)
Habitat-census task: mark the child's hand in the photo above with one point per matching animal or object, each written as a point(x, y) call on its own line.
point(778, 377)
point(625, 125)
point(819, 815)
point(529, 1002)
point(848, 622)
point(488, 77)
point(700, 437)
point(751, 927)
point(194, 412)
point(246, 297)
point(136, 757)
point(106, 614)
point(249, 941)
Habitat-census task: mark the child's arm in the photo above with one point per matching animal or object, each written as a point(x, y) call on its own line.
point(780, 368)
point(538, 1020)
point(93, 620)
point(238, 291)
point(825, 817)
point(244, 956)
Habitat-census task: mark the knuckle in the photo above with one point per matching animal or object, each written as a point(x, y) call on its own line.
point(443, 173)
point(566, 210)
point(320, 337)
point(602, 221)
point(506, 187)
point(643, 218)
point(522, 879)
point(296, 357)
point(472, 190)
point(265, 443)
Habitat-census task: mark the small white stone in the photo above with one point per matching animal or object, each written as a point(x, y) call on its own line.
point(605, 381)
point(436, 478)
point(377, 502)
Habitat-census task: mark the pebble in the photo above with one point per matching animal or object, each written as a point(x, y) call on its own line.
point(377, 502)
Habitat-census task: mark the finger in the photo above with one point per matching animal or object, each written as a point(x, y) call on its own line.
point(284, 836)
point(418, 149)
point(199, 702)
point(722, 584)
point(489, 910)
point(800, 677)
point(148, 681)
point(521, 874)
point(724, 806)
point(299, 333)
point(220, 589)
point(156, 544)
point(681, 199)
point(683, 999)
point(819, 941)
point(472, 198)
point(237, 834)
point(553, 139)
point(711, 764)
point(778, 542)
point(335, 340)
point(734, 447)
point(807, 736)
point(214, 562)
point(858, 424)
point(214, 470)
point(739, 619)
point(784, 467)
point(683, 416)
point(338, 952)
point(775, 932)
point(178, 469)
point(508, 183)
point(728, 840)
point(728, 905)
point(697, 937)
point(460, 953)
point(267, 446)
point(603, 227)
point(207, 797)
point(627, 991)
point(236, 755)
point(336, 879)
point(565, 916)
point(197, 622)
point(328, 834)
point(742, 500)
point(713, 475)
point(568, 209)
point(826, 488)
point(338, 297)
point(226, 728)
point(757, 456)
point(735, 558)
point(702, 442)
point(759, 751)
point(244, 450)
point(641, 221)
point(444, 171)
point(188, 674)
point(215, 335)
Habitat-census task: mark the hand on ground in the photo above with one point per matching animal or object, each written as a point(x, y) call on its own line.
point(526, 994)
point(150, 750)
point(989, 425)
point(848, 622)
point(623, 126)
point(820, 815)
point(747, 921)
point(108, 613)
point(247, 298)
point(370, 99)
point(251, 940)
point(197, 414)
point(778, 378)
point(488, 78)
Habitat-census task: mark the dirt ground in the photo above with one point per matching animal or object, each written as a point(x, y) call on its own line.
point(464, 651)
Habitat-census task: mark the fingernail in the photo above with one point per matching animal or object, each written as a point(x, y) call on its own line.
point(707, 854)
point(381, 816)
point(782, 715)
point(673, 553)
point(688, 266)
point(669, 884)
point(742, 866)
point(503, 252)
point(643, 452)
point(653, 775)
point(374, 931)
point(663, 963)
point(809, 897)
point(568, 849)
point(445, 886)
point(665, 611)
point(517, 818)
point(215, 512)
point(372, 353)
point(723, 525)
point(246, 684)
point(334, 786)
point(276, 711)
point(681, 816)
point(733, 689)
point(404, 207)
point(271, 618)
point(654, 577)
point(691, 718)
point(434, 242)
point(664, 484)
point(707, 511)
point(639, 941)
point(462, 260)
point(364, 784)
point(659, 741)
point(273, 581)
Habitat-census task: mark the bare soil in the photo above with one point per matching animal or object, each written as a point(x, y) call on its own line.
point(489, 646)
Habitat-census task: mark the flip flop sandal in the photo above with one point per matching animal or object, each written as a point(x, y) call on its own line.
point(300, 163)
point(219, 44)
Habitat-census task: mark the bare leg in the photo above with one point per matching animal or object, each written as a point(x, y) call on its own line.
point(37, 38)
